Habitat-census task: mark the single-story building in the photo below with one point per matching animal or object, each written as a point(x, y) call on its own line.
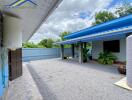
point(108, 36)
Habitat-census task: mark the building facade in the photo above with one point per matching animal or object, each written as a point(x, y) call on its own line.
point(119, 50)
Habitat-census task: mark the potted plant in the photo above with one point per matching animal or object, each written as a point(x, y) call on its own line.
point(122, 69)
point(106, 58)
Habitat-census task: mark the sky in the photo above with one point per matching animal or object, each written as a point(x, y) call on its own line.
point(72, 16)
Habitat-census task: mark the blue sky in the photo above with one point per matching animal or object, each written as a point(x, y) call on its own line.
point(115, 2)
point(73, 15)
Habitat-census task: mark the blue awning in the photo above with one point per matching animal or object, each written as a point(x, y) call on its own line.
point(103, 36)
point(107, 26)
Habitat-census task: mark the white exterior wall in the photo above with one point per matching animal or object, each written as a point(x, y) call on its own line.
point(122, 55)
point(97, 47)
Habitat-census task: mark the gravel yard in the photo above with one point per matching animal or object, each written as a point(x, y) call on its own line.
point(56, 79)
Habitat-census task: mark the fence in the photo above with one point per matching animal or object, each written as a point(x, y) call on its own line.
point(29, 54)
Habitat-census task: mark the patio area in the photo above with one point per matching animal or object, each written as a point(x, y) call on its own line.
point(57, 79)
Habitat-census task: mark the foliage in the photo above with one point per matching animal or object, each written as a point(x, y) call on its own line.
point(85, 54)
point(30, 45)
point(63, 34)
point(47, 43)
point(63, 39)
point(125, 9)
point(122, 11)
point(106, 58)
point(103, 16)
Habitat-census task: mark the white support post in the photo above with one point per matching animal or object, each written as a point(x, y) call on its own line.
point(129, 61)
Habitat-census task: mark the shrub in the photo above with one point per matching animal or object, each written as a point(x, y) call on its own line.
point(106, 58)
point(85, 55)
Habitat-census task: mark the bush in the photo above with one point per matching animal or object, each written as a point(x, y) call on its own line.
point(85, 55)
point(106, 58)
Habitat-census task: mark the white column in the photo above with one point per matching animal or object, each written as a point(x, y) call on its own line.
point(12, 29)
point(129, 61)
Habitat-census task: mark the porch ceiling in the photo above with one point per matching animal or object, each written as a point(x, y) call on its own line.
point(32, 15)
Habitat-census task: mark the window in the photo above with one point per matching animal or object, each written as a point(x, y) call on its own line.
point(111, 46)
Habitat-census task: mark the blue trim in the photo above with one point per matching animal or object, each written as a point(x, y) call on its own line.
point(1, 84)
point(21, 3)
point(110, 25)
point(111, 36)
point(27, 1)
point(32, 2)
point(13, 3)
point(4, 79)
point(4, 74)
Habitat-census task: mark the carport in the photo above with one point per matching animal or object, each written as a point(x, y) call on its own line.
point(120, 28)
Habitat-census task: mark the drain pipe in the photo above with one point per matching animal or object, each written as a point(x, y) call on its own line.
point(129, 61)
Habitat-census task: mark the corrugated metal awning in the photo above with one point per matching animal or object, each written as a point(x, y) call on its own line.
point(106, 26)
point(107, 35)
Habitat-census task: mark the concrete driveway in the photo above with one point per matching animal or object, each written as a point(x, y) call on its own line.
point(55, 79)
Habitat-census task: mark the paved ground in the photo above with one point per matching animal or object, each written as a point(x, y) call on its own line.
point(55, 79)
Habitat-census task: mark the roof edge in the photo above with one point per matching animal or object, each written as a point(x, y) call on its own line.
point(116, 19)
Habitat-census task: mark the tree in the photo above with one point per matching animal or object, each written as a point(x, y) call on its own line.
point(56, 45)
point(103, 16)
point(125, 9)
point(30, 45)
point(47, 43)
point(63, 39)
point(64, 34)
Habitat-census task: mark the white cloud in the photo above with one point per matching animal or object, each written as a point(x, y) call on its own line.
point(67, 18)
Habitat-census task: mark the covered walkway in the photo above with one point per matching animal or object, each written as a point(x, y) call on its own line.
point(112, 30)
point(55, 79)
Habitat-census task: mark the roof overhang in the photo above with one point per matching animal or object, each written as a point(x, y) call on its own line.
point(103, 36)
point(32, 15)
point(106, 26)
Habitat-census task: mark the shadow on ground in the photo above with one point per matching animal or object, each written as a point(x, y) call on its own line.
point(42, 87)
point(93, 65)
